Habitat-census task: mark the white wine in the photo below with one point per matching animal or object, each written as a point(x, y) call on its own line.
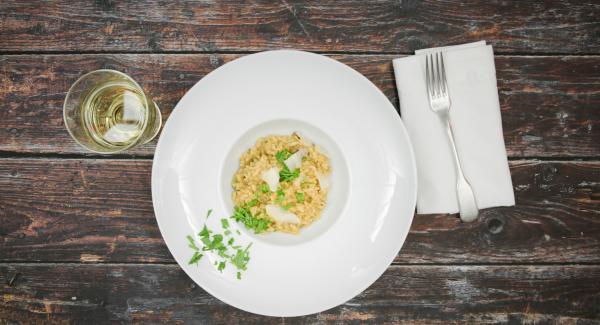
point(114, 114)
point(106, 111)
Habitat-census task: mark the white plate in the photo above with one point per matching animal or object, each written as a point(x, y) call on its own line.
point(370, 205)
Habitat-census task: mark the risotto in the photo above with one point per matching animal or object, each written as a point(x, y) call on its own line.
point(281, 184)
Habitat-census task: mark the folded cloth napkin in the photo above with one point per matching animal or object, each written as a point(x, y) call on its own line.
point(477, 125)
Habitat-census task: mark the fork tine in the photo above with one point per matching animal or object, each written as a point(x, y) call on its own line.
point(435, 79)
point(438, 74)
point(444, 82)
point(433, 75)
point(427, 75)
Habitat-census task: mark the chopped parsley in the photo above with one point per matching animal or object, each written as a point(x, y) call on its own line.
point(264, 188)
point(195, 258)
point(216, 245)
point(192, 243)
point(221, 266)
point(208, 213)
point(280, 196)
point(244, 215)
point(225, 223)
point(241, 258)
point(285, 174)
point(282, 155)
point(225, 250)
point(300, 197)
point(204, 234)
point(252, 203)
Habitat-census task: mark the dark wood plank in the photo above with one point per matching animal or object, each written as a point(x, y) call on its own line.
point(101, 211)
point(549, 104)
point(556, 219)
point(352, 25)
point(60, 293)
point(93, 211)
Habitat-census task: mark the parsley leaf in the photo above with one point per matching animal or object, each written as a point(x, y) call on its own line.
point(204, 235)
point(300, 197)
point(225, 223)
point(192, 243)
point(204, 232)
point(241, 258)
point(221, 266)
point(208, 213)
point(286, 174)
point(280, 195)
point(264, 188)
point(195, 258)
point(244, 215)
point(217, 245)
point(282, 155)
point(252, 203)
point(239, 275)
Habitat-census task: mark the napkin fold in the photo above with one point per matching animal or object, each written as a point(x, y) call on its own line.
point(477, 125)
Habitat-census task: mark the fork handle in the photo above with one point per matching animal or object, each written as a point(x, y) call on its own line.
point(466, 199)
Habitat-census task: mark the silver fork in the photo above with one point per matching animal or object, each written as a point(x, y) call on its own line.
point(439, 101)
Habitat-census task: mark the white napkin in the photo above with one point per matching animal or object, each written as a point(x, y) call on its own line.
point(477, 124)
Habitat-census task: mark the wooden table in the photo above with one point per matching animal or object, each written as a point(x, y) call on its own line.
point(79, 242)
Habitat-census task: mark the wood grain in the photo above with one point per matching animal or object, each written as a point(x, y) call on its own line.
point(72, 210)
point(65, 222)
point(93, 211)
point(549, 104)
point(352, 25)
point(66, 293)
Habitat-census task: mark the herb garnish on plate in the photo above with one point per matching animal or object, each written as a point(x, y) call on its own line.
point(226, 251)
